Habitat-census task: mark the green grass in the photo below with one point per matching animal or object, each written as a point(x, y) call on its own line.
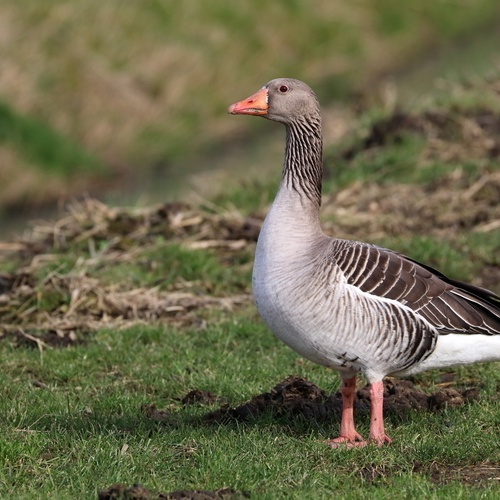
point(43, 147)
point(249, 197)
point(484, 247)
point(72, 421)
point(84, 429)
point(166, 262)
point(400, 157)
point(394, 162)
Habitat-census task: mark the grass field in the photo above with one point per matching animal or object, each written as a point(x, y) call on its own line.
point(110, 318)
point(141, 89)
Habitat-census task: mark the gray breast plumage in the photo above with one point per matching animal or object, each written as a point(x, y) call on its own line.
point(305, 297)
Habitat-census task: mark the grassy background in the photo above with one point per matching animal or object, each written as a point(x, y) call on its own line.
point(141, 89)
point(74, 419)
point(99, 97)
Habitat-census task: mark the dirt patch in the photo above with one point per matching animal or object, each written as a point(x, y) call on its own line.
point(196, 397)
point(50, 338)
point(294, 396)
point(386, 131)
point(138, 492)
point(153, 413)
point(297, 397)
point(481, 474)
point(452, 134)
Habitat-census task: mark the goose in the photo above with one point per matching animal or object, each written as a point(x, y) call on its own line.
point(354, 307)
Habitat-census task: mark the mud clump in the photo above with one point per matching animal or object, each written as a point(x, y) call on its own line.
point(294, 396)
point(297, 397)
point(201, 398)
point(138, 492)
point(402, 395)
point(122, 492)
point(449, 397)
point(151, 412)
point(399, 396)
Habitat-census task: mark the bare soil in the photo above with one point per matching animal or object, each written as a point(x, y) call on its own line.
point(138, 492)
point(297, 397)
point(480, 474)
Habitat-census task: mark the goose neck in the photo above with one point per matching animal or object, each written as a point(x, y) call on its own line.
point(303, 164)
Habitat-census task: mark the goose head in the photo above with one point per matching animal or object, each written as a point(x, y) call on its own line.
point(284, 100)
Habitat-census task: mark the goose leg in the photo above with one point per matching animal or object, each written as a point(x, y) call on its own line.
point(348, 434)
point(377, 432)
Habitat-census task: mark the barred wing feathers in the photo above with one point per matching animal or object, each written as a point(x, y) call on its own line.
point(449, 305)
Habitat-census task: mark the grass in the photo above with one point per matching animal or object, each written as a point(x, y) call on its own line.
point(72, 420)
point(41, 145)
point(392, 163)
point(93, 333)
point(248, 197)
point(146, 87)
point(83, 429)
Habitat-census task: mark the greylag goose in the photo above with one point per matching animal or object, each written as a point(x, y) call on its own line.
point(354, 307)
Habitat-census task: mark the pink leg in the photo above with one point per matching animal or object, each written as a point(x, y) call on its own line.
point(348, 434)
point(377, 432)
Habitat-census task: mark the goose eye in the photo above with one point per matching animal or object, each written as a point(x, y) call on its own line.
point(283, 89)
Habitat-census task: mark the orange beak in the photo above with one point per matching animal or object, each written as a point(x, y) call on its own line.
point(256, 104)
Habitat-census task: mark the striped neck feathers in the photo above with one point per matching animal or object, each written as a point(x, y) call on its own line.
point(303, 164)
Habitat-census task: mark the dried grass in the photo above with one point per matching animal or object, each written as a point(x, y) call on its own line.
point(66, 303)
point(453, 201)
point(82, 302)
point(373, 211)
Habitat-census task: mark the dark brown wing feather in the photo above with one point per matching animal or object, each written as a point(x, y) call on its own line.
point(450, 305)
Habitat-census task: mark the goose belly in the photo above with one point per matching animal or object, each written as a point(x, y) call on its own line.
point(336, 326)
point(292, 317)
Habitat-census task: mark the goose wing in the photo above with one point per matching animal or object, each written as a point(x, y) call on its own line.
point(449, 305)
